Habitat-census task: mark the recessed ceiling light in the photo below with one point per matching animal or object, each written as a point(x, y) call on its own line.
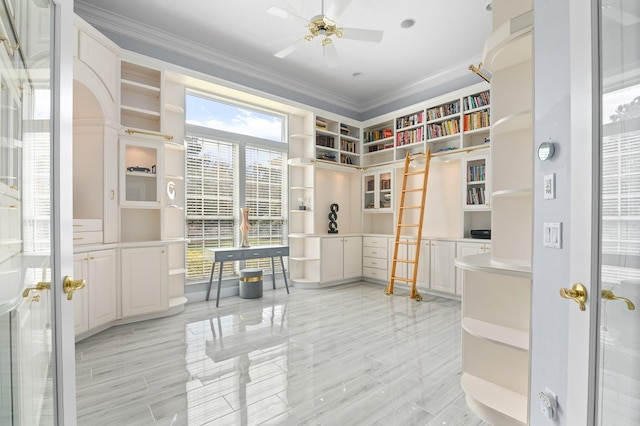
point(357, 74)
point(489, 7)
point(408, 23)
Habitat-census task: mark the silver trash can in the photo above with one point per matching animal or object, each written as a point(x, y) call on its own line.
point(250, 283)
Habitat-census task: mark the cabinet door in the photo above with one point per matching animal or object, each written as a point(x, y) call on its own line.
point(332, 259)
point(462, 250)
point(352, 257)
point(80, 298)
point(443, 270)
point(144, 280)
point(101, 283)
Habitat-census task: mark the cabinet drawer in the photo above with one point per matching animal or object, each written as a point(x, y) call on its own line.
point(374, 242)
point(255, 253)
point(227, 256)
point(373, 262)
point(84, 225)
point(280, 251)
point(379, 252)
point(92, 237)
point(377, 274)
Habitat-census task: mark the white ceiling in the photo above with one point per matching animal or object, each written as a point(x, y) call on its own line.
point(236, 39)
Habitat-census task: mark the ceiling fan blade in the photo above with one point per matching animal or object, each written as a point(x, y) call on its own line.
point(281, 13)
point(373, 36)
point(288, 50)
point(330, 53)
point(337, 7)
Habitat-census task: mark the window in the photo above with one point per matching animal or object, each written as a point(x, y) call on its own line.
point(227, 171)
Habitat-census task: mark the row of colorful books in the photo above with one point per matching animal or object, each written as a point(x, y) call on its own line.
point(476, 101)
point(409, 136)
point(476, 120)
point(446, 128)
point(475, 173)
point(475, 196)
point(410, 120)
point(443, 110)
point(375, 135)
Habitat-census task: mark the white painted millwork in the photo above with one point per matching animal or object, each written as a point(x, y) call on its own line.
point(468, 249)
point(144, 280)
point(341, 258)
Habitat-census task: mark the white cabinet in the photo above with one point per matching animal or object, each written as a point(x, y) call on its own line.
point(95, 305)
point(442, 270)
point(341, 258)
point(377, 192)
point(337, 141)
point(144, 280)
point(352, 253)
point(468, 249)
point(375, 258)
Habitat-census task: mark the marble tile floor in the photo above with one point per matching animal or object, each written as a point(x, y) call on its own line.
point(347, 355)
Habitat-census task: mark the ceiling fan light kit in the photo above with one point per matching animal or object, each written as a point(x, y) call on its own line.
point(324, 27)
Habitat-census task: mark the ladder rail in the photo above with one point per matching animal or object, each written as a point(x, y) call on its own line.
point(407, 161)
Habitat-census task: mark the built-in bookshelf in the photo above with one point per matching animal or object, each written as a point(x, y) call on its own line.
point(337, 142)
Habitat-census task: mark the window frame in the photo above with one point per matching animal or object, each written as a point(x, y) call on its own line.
point(242, 142)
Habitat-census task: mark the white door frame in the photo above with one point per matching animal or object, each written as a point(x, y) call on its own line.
point(585, 202)
point(62, 208)
point(567, 112)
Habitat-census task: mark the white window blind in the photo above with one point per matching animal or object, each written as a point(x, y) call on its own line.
point(212, 188)
point(620, 205)
point(265, 196)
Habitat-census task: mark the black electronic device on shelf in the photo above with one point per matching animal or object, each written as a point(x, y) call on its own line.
point(483, 234)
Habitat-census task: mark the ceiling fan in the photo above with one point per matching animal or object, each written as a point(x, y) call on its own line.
point(324, 26)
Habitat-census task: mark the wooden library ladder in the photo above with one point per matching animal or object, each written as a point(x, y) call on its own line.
point(406, 204)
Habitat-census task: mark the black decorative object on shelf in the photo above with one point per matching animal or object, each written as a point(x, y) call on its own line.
point(333, 217)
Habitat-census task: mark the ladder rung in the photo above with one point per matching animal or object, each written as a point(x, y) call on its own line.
point(408, 225)
point(405, 260)
point(409, 243)
point(407, 280)
point(421, 172)
point(411, 207)
point(412, 190)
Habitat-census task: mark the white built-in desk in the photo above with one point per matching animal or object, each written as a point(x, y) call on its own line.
point(231, 254)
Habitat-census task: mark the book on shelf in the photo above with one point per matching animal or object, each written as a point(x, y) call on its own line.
point(326, 157)
point(344, 129)
point(476, 101)
point(475, 173)
point(410, 120)
point(476, 120)
point(445, 128)
point(321, 123)
point(475, 196)
point(444, 110)
point(325, 141)
point(374, 135)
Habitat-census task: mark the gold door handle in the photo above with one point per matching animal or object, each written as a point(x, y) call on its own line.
point(577, 293)
point(608, 295)
point(40, 286)
point(70, 285)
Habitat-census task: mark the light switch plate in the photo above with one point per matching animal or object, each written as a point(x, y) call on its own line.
point(552, 235)
point(550, 186)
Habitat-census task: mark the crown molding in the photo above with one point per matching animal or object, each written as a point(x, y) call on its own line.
point(433, 81)
point(130, 29)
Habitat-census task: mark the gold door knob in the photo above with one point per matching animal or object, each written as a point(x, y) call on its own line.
point(577, 293)
point(40, 286)
point(608, 295)
point(70, 286)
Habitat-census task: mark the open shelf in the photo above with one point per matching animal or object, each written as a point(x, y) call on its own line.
point(496, 333)
point(503, 401)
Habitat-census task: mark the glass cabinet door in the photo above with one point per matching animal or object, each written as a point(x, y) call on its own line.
point(140, 161)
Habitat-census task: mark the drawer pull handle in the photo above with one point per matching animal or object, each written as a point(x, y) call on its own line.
point(229, 256)
point(78, 238)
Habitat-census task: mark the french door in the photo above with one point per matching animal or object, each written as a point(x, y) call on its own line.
point(37, 378)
